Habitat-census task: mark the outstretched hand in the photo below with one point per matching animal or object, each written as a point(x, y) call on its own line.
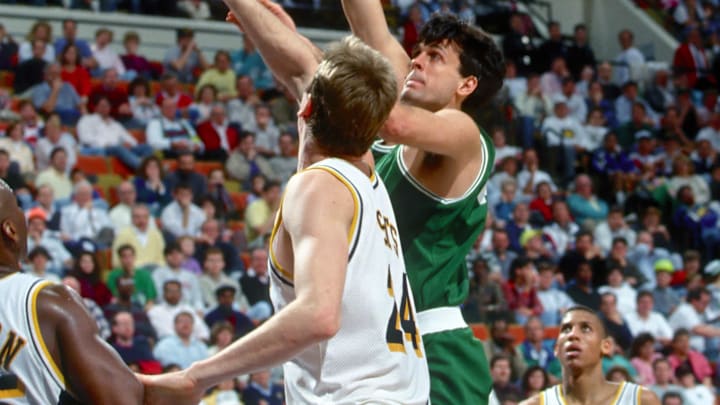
point(171, 389)
point(273, 7)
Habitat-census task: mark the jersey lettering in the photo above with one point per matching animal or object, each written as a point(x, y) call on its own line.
point(10, 349)
point(10, 385)
point(402, 322)
point(391, 234)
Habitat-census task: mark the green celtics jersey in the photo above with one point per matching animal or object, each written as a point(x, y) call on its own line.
point(436, 233)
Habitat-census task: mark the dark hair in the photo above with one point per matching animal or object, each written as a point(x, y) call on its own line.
point(645, 293)
point(270, 184)
point(93, 277)
point(138, 81)
point(499, 357)
point(580, 27)
point(479, 56)
point(680, 333)
point(123, 248)
point(5, 153)
point(37, 251)
point(697, 293)
point(183, 185)
point(171, 248)
point(212, 251)
point(619, 239)
point(619, 369)
point(206, 86)
point(65, 50)
point(581, 234)
point(516, 264)
point(142, 169)
point(219, 327)
point(525, 384)
point(583, 308)
point(172, 281)
point(640, 341)
point(683, 370)
point(57, 150)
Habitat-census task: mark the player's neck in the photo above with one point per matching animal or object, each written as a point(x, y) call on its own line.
point(582, 388)
point(6, 270)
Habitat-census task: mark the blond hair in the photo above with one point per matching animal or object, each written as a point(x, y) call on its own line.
point(353, 91)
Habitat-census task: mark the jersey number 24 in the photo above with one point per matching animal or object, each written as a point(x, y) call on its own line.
point(402, 322)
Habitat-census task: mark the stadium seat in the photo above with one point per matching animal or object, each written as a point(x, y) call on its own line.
point(240, 200)
point(7, 79)
point(93, 164)
point(552, 332)
point(480, 331)
point(139, 135)
point(169, 165)
point(245, 257)
point(517, 332)
point(233, 186)
point(109, 183)
point(205, 168)
point(119, 168)
point(236, 226)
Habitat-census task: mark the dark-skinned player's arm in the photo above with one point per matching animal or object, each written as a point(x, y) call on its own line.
point(94, 372)
point(291, 57)
point(317, 215)
point(447, 132)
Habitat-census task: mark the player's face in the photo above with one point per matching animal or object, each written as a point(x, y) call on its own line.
point(434, 78)
point(580, 343)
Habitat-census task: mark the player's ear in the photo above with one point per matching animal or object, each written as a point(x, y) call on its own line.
point(467, 86)
point(9, 230)
point(606, 346)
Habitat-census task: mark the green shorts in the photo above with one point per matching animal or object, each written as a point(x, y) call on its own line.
point(459, 372)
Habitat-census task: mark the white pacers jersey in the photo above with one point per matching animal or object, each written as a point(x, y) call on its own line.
point(627, 394)
point(377, 356)
point(28, 374)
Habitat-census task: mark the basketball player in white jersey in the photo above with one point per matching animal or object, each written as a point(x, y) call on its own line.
point(50, 352)
point(582, 342)
point(345, 320)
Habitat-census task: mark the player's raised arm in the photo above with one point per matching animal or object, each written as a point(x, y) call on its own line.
point(94, 372)
point(367, 21)
point(318, 222)
point(288, 55)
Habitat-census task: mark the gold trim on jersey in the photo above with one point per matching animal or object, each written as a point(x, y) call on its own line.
point(273, 259)
point(38, 333)
point(619, 392)
point(351, 188)
point(16, 392)
point(614, 401)
point(638, 400)
point(542, 398)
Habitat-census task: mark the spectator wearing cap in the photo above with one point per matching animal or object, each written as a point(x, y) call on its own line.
point(644, 156)
point(134, 349)
point(564, 135)
point(101, 135)
point(690, 315)
point(183, 58)
point(54, 95)
point(181, 347)
point(39, 236)
point(613, 227)
point(629, 58)
point(170, 134)
point(124, 302)
point(144, 291)
point(665, 297)
point(38, 266)
point(162, 315)
point(104, 56)
point(143, 236)
point(536, 246)
point(173, 270)
point(224, 312)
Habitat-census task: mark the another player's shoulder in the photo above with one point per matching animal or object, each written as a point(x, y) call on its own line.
point(533, 400)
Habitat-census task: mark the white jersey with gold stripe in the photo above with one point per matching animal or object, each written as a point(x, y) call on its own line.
point(377, 356)
point(627, 394)
point(28, 374)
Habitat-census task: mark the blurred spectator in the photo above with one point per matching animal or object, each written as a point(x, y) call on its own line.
point(518, 46)
point(645, 255)
point(248, 62)
point(171, 135)
point(170, 89)
point(181, 217)
point(598, 99)
point(666, 298)
point(694, 393)
point(205, 99)
point(104, 56)
point(73, 72)
point(187, 247)
point(613, 227)
point(652, 223)
point(214, 276)
point(120, 214)
point(562, 231)
point(217, 134)
point(579, 54)
point(191, 293)
point(284, 108)
point(698, 223)
point(145, 238)
point(501, 255)
point(617, 258)
point(537, 247)
point(552, 48)
point(503, 209)
point(196, 9)
point(100, 134)
point(222, 335)
point(69, 27)
point(88, 273)
point(614, 322)
point(241, 110)
point(135, 65)
point(245, 162)
point(642, 356)
point(645, 320)
point(536, 350)
point(285, 164)
point(712, 131)
point(517, 226)
point(150, 185)
point(55, 95)
point(133, 349)
point(38, 260)
point(185, 57)
point(554, 301)
point(501, 343)
point(14, 180)
point(584, 205)
point(260, 214)
point(502, 148)
point(683, 176)
point(145, 292)
point(32, 122)
point(595, 130)
point(163, 313)
point(38, 235)
point(659, 94)
point(185, 173)
point(633, 112)
point(116, 94)
point(92, 308)
point(628, 59)
point(266, 132)
point(8, 50)
point(125, 301)
point(688, 13)
point(575, 102)
point(534, 381)
point(551, 81)
point(664, 380)
point(580, 289)
point(411, 28)
point(226, 393)
point(142, 105)
point(221, 76)
point(532, 175)
point(704, 157)
point(255, 282)
point(690, 315)
point(533, 107)
point(18, 150)
point(83, 220)
point(219, 195)
point(31, 71)
point(262, 391)
point(224, 312)
point(486, 300)
point(210, 237)
point(684, 355)
point(503, 388)
point(689, 117)
point(40, 30)
point(625, 295)
point(690, 60)
point(520, 292)
point(181, 348)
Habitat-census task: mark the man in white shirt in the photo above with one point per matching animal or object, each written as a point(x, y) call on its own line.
point(711, 132)
point(170, 134)
point(163, 314)
point(181, 217)
point(100, 134)
point(104, 56)
point(575, 102)
point(690, 315)
point(613, 227)
point(81, 219)
point(562, 230)
point(241, 110)
point(192, 295)
point(645, 320)
point(628, 59)
point(564, 135)
point(554, 301)
point(120, 214)
point(531, 175)
point(266, 132)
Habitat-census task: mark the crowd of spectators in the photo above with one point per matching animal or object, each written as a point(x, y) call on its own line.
point(605, 193)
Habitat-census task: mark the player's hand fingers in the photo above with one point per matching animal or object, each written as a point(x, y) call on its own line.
point(279, 12)
point(231, 18)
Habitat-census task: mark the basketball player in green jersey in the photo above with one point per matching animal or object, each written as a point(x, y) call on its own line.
point(436, 179)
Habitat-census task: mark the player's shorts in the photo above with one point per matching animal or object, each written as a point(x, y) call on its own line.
point(459, 372)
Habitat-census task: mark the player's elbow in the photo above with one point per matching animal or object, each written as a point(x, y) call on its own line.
point(325, 323)
point(395, 128)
